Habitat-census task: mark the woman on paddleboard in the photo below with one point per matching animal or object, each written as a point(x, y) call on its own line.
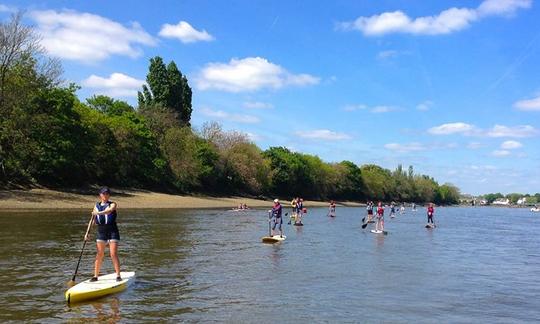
point(107, 232)
point(430, 212)
point(380, 217)
point(369, 208)
point(277, 221)
point(299, 210)
point(332, 209)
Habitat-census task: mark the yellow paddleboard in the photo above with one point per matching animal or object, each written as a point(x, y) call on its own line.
point(106, 285)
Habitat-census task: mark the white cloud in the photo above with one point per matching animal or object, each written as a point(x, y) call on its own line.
point(502, 7)
point(447, 21)
point(474, 145)
point(4, 8)
point(87, 37)
point(257, 105)
point(354, 107)
point(405, 148)
point(528, 104)
point(185, 33)
point(515, 131)
point(254, 137)
point(424, 106)
point(451, 128)
point(383, 55)
point(511, 145)
point(382, 109)
point(500, 153)
point(116, 85)
point(375, 109)
point(323, 134)
point(222, 115)
point(518, 131)
point(249, 74)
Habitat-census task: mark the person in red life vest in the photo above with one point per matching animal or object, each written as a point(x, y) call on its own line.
point(332, 209)
point(276, 217)
point(430, 212)
point(380, 217)
point(107, 232)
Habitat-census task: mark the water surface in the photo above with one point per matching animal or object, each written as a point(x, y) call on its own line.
point(480, 265)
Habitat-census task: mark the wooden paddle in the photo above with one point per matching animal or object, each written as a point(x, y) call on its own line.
point(71, 283)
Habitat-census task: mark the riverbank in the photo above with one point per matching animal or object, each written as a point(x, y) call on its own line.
point(33, 199)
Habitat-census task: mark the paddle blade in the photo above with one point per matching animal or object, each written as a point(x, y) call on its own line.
point(70, 283)
point(363, 219)
point(364, 225)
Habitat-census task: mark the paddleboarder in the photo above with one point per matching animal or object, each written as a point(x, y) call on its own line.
point(392, 210)
point(107, 232)
point(276, 217)
point(299, 210)
point(380, 217)
point(369, 211)
point(430, 212)
point(332, 209)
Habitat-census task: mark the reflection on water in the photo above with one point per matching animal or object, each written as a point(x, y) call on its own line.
point(480, 264)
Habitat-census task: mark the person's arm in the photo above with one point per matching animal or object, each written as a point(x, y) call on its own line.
point(108, 210)
point(90, 223)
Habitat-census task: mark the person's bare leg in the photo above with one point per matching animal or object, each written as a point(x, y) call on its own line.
point(113, 248)
point(99, 257)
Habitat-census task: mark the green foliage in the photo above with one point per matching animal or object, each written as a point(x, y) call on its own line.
point(109, 106)
point(167, 88)
point(493, 196)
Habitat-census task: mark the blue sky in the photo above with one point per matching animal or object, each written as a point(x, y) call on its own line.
point(450, 87)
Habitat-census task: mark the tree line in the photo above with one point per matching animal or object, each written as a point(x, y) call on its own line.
point(50, 137)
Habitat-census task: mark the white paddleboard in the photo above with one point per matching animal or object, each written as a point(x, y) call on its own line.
point(106, 285)
point(431, 225)
point(379, 232)
point(273, 239)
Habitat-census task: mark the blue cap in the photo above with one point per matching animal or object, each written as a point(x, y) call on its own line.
point(104, 190)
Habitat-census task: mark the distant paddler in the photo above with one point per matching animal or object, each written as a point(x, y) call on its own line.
point(105, 215)
point(430, 212)
point(293, 207)
point(300, 211)
point(369, 209)
point(332, 209)
point(380, 217)
point(392, 210)
point(276, 219)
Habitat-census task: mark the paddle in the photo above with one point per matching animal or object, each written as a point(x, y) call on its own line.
point(269, 224)
point(71, 283)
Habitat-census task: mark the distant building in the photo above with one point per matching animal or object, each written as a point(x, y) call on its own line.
point(502, 202)
point(522, 201)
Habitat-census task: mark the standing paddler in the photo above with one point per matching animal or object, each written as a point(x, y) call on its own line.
point(430, 212)
point(276, 217)
point(107, 232)
point(379, 226)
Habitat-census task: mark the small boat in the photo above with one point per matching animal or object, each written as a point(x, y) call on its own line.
point(535, 209)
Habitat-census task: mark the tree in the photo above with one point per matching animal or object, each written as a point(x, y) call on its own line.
point(350, 184)
point(167, 88)
point(109, 105)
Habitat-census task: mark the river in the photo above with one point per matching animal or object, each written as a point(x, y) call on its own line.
point(479, 265)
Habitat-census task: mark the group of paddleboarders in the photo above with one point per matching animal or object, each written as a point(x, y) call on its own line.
point(379, 226)
point(297, 210)
point(241, 207)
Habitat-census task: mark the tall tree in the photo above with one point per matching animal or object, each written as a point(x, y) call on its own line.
point(168, 88)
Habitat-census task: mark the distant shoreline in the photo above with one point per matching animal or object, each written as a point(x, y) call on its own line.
point(48, 199)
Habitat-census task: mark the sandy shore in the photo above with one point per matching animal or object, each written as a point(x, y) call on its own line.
point(127, 199)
